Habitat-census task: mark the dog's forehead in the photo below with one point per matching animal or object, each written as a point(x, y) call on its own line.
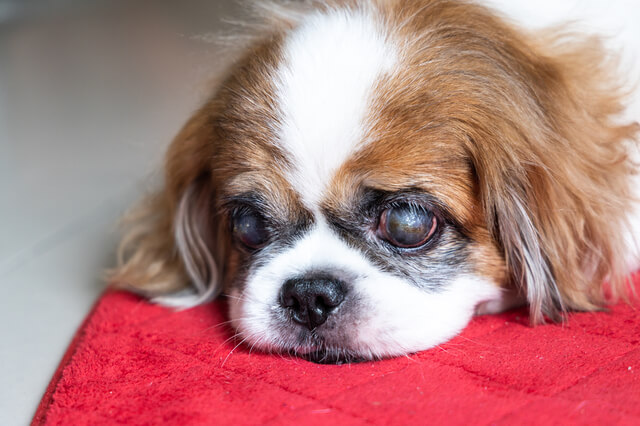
point(322, 112)
point(325, 86)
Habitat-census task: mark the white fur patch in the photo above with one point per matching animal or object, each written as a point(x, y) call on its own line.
point(406, 319)
point(324, 86)
point(319, 250)
point(394, 316)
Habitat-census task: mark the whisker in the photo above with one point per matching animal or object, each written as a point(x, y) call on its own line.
point(245, 298)
point(223, 343)
point(233, 350)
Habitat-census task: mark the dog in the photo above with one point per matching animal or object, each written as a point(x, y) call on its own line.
point(372, 173)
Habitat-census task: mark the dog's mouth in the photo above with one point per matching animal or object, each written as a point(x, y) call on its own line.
point(331, 356)
point(314, 348)
point(321, 354)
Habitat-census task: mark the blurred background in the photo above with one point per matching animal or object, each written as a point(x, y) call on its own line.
point(91, 92)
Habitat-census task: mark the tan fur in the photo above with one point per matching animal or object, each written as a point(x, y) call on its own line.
point(535, 114)
point(516, 133)
point(148, 259)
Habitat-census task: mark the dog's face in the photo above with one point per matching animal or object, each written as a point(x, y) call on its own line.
point(352, 206)
point(368, 177)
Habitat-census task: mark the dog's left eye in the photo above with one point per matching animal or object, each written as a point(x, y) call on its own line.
point(407, 225)
point(249, 229)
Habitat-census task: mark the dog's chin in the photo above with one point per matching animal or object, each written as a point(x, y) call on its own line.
point(320, 352)
point(325, 355)
point(332, 356)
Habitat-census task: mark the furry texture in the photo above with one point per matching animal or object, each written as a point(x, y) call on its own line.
point(513, 137)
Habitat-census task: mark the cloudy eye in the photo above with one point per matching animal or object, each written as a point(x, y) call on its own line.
point(249, 229)
point(407, 225)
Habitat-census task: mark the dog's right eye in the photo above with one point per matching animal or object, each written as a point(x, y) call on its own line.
point(249, 228)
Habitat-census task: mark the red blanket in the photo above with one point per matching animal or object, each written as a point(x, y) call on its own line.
point(136, 363)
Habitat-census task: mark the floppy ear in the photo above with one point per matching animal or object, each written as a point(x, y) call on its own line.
point(170, 239)
point(555, 176)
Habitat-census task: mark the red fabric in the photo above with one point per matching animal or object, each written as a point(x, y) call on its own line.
point(136, 363)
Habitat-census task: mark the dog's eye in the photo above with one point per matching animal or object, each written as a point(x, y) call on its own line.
point(407, 225)
point(249, 229)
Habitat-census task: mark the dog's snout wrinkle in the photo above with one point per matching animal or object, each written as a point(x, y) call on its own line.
point(311, 300)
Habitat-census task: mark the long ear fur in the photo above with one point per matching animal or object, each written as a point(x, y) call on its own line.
point(170, 241)
point(555, 180)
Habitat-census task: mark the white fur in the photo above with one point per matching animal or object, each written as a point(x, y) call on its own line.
point(407, 319)
point(324, 86)
point(318, 250)
point(395, 316)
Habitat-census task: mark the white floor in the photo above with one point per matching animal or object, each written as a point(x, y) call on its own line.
point(90, 94)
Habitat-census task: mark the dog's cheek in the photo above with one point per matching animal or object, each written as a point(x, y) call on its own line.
point(253, 302)
point(397, 317)
point(251, 320)
point(486, 259)
point(234, 274)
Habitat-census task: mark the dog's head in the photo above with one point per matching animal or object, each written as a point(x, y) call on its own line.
point(371, 173)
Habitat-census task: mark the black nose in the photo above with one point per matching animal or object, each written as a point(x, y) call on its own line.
point(311, 300)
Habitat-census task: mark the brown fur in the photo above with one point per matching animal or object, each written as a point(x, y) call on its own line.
point(516, 133)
